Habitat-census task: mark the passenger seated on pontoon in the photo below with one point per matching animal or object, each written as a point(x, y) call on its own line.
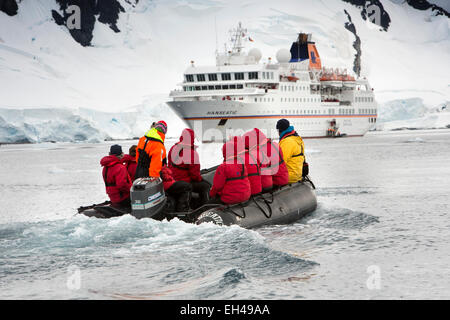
point(293, 149)
point(272, 162)
point(184, 162)
point(231, 184)
point(130, 161)
point(116, 178)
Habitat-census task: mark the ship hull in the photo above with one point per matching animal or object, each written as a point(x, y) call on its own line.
point(217, 120)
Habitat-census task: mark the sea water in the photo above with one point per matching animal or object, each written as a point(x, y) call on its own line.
point(381, 229)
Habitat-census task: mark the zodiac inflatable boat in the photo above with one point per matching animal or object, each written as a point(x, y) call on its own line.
point(148, 200)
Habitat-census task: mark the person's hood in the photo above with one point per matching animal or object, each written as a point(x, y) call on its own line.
point(187, 137)
point(254, 138)
point(127, 158)
point(234, 147)
point(289, 131)
point(109, 161)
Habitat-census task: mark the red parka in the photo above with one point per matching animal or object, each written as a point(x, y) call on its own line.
point(131, 164)
point(280, 174)
point(254, 172)
point(184, 160)
point(231, 178)
point(270, 158)
point(116, 178)
point(167, 178)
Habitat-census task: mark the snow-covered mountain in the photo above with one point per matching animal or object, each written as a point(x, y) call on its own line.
point(109, 78)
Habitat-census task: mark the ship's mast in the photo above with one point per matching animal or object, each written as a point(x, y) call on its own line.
point(237, 38)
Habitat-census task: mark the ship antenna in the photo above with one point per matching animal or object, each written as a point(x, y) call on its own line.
point(237, 36)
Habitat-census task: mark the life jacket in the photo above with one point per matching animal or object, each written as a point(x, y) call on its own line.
point(150, 154)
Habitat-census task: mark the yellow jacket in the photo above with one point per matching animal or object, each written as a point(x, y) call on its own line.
point(293, 154)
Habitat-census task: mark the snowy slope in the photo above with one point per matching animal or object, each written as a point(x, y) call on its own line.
point(43, 67)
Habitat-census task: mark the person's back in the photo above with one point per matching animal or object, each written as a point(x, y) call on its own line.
point(184, 160)
point(150, 152)
point(255, 142)
point(230, 181)
point(292, 147)
point(254, 171)
point(272, 163)
point(116, 178)
point(130, 161)
point(280, 174)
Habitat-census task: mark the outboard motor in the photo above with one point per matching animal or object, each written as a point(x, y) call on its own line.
point(147, 198)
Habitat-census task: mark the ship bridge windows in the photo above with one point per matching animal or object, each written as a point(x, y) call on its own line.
point(200, 77)
point(226, 76)
point(212, 77)
point(239, 76)
point(189, 78)
point(253, 75)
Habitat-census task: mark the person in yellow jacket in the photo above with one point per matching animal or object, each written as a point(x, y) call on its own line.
point(293, 150)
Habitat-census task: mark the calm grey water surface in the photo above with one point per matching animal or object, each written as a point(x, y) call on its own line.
point(381, 230)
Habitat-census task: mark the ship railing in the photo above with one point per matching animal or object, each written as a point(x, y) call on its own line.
point(229, 92)
point(330, 104)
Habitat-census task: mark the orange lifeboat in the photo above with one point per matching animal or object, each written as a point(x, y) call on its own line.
point(331, 79)
point(348, 81)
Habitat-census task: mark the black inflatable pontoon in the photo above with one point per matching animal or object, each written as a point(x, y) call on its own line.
point(283, 206)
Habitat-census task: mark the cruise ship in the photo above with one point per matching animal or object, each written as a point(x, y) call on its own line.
point(240, 93)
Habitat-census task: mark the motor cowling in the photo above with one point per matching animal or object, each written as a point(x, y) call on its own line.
point(147, 197)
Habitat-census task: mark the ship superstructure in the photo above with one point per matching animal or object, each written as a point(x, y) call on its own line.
point(239, 94)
